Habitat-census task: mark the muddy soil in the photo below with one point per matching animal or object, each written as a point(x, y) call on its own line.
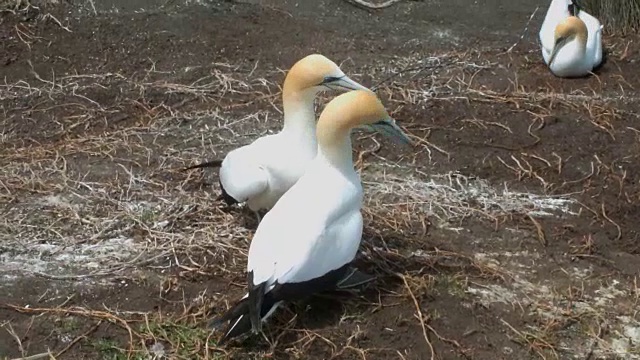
point(526, 244)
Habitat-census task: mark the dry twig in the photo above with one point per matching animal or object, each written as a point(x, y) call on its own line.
point(374, 6)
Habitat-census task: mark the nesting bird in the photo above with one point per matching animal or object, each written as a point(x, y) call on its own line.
point(259, 173)
point(306, 242)
point(570, 39)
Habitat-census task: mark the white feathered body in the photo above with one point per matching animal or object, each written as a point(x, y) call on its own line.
point(316, 227)
point(571, 61)
point(261, 172)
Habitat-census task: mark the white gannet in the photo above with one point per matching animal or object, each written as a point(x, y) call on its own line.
point(306, 242)
point(570, 39)
point(259, 173)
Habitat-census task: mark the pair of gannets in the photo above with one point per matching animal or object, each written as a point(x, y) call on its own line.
point(571, 39)
point(306, 242)
point(259, 173)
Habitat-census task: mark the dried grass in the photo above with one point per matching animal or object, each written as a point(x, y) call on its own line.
point(99, 191)
point(618, 16)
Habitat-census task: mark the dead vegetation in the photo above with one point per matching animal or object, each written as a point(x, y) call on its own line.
point(96, 197)
point(618, 16)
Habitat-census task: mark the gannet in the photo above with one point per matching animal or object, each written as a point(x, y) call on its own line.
point(570, 39)
point(306, 242)
point(259, 173)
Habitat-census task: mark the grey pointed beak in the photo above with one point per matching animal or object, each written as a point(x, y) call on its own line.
point(343, 83)
point(556, 47)
point(389, 128)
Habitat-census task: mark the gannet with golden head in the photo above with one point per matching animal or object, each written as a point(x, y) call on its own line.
point(570, 39)
point(306, 242)
point(259, 173)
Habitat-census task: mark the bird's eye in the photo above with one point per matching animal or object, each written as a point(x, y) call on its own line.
point(330, 79)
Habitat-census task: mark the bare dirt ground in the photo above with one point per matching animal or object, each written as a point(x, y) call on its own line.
point(511, 230)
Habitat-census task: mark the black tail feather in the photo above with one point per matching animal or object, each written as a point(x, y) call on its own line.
point(239, 326)
point(242, 307)
point(224, 196)
point(239, 320)
point(354, 278)
point(574, 8)
point(228, 199)
point(256, 296)
point(240, 314)
point(212, 163)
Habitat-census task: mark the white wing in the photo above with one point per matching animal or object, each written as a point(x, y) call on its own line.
point(308, 251)
point(594, 38)
point(244, 173)
point(312, 230)
point(546, 40)
point(598, 48)
point(335, 247)
point(590, 21)
point(261, 172)
point(558, 10)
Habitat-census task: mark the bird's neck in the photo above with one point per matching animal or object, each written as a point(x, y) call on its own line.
point(299, 114)
point(337, 151)
point(577, 47)
point(571, 56)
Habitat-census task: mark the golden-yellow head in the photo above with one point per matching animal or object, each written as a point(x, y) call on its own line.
point(566, 31)
point(315, 73)
point(571, 26)
point(356, 109)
